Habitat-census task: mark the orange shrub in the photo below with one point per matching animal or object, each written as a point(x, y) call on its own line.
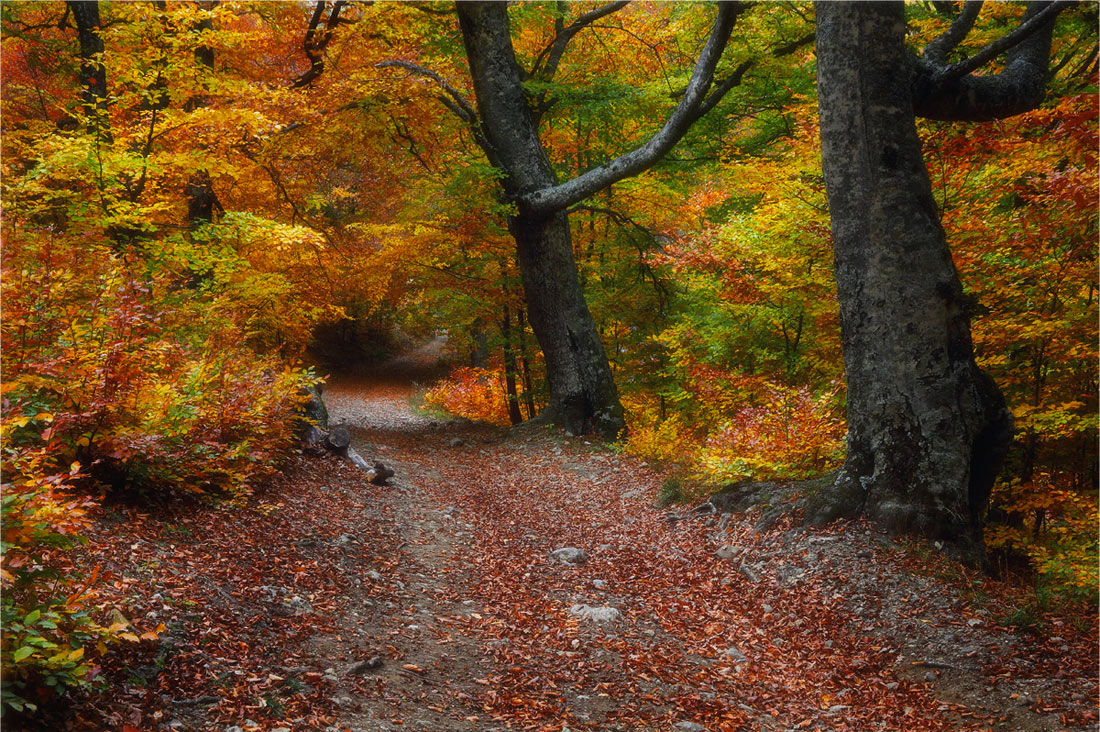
point(472, 393)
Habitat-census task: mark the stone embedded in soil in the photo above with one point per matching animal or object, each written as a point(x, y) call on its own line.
point(597, 614)
point(728, 552)
point(298, 605)
point(569, 555)
point(370, 664)
point(689, 727)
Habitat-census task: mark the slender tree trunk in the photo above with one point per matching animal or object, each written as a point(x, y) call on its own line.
point(479, 353)
point(927, 429)
point(514, 415)
point(202, 202)
point(525, 365)
point(92, 72)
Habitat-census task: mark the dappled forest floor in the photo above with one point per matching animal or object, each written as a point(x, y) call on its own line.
point(434, 604)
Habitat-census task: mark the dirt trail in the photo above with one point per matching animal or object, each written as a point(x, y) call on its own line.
point(322, 603)
point(477, 628)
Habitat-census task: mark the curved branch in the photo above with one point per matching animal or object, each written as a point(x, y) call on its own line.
point(452, 99)
point(549, 200)
point(937, 49)
point(999, 46)
point(952, 93)
point(551, 55)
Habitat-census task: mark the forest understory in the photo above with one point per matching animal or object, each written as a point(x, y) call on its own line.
point(435, 604)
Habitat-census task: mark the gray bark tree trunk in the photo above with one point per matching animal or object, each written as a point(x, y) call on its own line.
point(583, 395)
point(927, 429)
point(582, 390)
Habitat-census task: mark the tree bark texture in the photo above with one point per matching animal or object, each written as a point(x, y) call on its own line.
point(93, 74)
point(582, 392)
point(927, 429)
point(952, 93)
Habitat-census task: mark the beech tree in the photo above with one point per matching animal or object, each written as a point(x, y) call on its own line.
point(583, 395)
point(927, 429)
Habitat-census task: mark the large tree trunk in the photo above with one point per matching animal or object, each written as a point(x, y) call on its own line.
point(927, 429)
point(582, 392)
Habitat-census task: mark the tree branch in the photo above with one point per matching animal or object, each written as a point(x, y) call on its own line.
point(548, 200)
point(452, 99)
point(937, 49)
point(552, 54)
point(734, 79)
point(720, 91)
point(788, 48)
point(953, 93)
point(316, 40)
point(999, 46)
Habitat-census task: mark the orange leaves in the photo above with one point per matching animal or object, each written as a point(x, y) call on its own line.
point(472, 393)
point(791, 434)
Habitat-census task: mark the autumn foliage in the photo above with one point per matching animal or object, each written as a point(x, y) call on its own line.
point(1019, 199)
point(171, 256)
point(473, 393)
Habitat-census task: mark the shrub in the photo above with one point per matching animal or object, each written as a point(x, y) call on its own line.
point(48, 633)
point(472, 393)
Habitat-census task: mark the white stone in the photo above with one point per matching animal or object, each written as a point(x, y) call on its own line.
point(569, 555)
point(597, 614)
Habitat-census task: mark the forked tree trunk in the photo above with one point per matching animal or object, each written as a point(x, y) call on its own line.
point(582, 392)
point(927, 429)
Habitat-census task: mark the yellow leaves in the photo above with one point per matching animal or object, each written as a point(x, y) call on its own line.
point(68, 656)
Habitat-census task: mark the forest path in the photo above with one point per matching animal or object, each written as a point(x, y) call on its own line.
point(478, 628)
point(322, 603)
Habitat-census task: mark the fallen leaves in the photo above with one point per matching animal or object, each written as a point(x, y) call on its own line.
point(473, 618)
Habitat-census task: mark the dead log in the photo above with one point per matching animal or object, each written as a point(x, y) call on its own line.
point(379, 474)
point(338, 440)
